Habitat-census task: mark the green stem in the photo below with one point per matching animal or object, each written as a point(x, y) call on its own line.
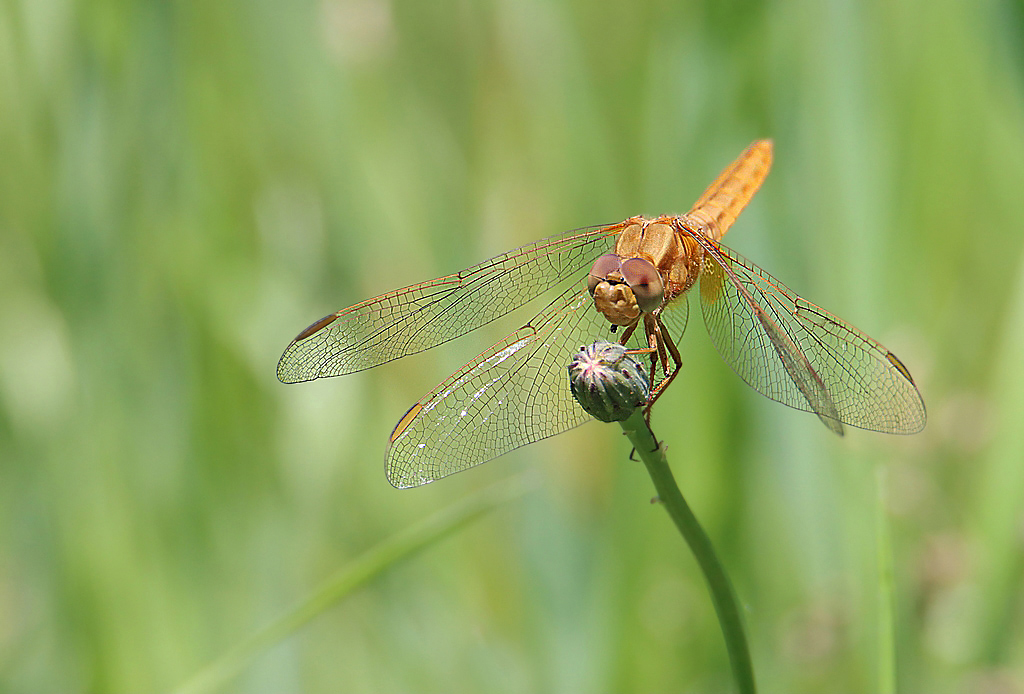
point(722, 594)
point(348, 579)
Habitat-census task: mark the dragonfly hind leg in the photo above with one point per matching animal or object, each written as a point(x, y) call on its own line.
point(665, 343)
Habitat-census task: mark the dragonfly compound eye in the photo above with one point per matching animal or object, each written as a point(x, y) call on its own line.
point(645, 281)
point(602, 267)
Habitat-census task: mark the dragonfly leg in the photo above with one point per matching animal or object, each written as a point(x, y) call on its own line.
point(673, 350)
point(665, 342)
point(655, 329)
point(640, 350)
point(654, 350)
point(627, 333)
point(654, 368)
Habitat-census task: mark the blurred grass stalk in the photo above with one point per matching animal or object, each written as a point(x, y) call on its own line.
point(352, 577)
point(886, 589)
point(1000, 497)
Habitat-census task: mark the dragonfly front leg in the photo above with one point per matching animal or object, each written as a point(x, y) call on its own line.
point(628, 333)
point(652, 350)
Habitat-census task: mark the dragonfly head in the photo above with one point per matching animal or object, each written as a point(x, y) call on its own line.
point(624, 287)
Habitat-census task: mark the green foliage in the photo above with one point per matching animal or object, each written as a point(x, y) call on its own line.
point(184, 186)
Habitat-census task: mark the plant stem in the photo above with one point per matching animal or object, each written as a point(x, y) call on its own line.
point(722, 594)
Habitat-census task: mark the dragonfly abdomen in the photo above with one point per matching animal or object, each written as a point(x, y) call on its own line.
point(722, 202)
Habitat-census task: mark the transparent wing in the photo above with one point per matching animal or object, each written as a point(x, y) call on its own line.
point(794, 352)
point(515, 393)
point(675, 316)
point(421, 316)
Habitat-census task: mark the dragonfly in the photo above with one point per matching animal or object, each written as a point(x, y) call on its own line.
point(626, 282)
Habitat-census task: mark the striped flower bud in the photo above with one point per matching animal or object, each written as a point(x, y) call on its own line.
point(608, 383)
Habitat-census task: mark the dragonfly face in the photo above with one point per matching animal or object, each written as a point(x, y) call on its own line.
point(623, 287)
point(631, 275)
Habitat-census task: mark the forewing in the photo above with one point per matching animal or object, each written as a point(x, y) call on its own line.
point(421, 316)
point(797, 353)
point(515, 393)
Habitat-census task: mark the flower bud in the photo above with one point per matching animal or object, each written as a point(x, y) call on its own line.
point(608, 383)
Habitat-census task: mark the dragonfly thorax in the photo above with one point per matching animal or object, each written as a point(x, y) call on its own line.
point(668, 244)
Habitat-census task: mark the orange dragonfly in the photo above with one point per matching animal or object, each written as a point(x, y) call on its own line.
point(633, 275)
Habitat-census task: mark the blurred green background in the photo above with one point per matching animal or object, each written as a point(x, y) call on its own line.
point(185, 185)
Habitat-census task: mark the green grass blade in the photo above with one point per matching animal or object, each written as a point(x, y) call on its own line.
point(886, 593)
point(350, 578)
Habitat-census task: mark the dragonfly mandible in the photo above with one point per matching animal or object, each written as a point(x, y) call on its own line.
point(630, 280)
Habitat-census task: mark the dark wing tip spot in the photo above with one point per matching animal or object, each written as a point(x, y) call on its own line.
point(316, 327)
point(900, 367)
point(405, 421)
